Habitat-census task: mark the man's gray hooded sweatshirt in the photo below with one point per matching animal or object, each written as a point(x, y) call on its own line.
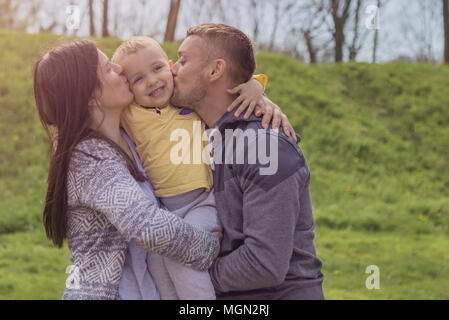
point(264, 206)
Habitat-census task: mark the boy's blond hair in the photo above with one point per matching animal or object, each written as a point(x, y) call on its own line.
point(132, 45)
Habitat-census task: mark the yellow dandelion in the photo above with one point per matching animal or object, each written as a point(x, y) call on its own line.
point(351, 191)
point(15, 138)
point(420, 174)
point(336, 272)
point(355, 160)
point(422, 218)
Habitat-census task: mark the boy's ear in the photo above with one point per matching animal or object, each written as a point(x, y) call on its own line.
point(217, 70)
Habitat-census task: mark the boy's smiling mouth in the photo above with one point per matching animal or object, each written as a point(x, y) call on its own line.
point(157, 92)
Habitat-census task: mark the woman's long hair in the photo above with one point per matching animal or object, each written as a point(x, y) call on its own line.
point(65, 79)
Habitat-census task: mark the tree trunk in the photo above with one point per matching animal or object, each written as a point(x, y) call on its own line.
point(339, 26)
point(310, 47)
point(105, 18)
point(172, 19)
point(375, 46)
point(376, 34)
point(91, 18)
point(354, 49)
point(256, 21)
point(275, 26)
point(446, 30)
point(339, 38)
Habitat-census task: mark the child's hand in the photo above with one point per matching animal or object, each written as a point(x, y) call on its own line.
point(251, 97)
point(250, 94)
point(273, 113)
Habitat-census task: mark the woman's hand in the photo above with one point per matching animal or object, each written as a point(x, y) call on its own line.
point(219, 235)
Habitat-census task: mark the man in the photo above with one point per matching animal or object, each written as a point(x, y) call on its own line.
point(264, 206)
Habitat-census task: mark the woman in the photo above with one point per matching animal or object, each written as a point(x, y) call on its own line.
point(98, 197)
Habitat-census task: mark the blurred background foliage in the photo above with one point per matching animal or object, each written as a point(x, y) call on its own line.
point(375, 137)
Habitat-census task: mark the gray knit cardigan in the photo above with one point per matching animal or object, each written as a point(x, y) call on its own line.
point(106, 210)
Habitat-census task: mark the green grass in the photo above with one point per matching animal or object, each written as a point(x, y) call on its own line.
point(30, 267)
point(375, 138)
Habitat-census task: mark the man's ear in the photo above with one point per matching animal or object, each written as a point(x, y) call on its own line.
point(217, 70)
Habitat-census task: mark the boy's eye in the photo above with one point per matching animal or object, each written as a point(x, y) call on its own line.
point(157, 68)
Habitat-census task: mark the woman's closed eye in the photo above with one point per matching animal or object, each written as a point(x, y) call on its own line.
point(137, 80)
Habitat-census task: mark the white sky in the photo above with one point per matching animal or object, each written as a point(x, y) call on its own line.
point(396, 17)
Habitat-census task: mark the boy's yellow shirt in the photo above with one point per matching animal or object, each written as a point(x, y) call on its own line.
point(150, 129)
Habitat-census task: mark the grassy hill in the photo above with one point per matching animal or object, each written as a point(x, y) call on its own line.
point(375, 138)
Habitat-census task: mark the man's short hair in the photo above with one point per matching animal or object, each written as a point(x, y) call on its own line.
point(231, 44)
point(132, 45)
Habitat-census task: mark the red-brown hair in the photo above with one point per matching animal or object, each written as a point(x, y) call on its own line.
point(65, 79)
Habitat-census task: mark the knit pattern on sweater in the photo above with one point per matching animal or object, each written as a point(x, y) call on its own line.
point(106, 210)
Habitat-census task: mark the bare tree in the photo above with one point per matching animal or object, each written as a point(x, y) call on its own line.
point(172, 20)
point(19, 14)
point(105, 32)
point(196, 11)
point(46, 18)
point(339, 9)
point(91, 18)
point(311, 49)
point(277, 17)
point(8, 10)
point(355, 44)
point(420, 28)
point(311, 27)
point(446, 30)
point(376, 34)
point(257, 9)
point(280, 10)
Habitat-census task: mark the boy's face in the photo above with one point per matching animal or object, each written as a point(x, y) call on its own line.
point(149, 76)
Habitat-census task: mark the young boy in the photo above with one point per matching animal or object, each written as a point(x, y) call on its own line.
point(186, 188)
